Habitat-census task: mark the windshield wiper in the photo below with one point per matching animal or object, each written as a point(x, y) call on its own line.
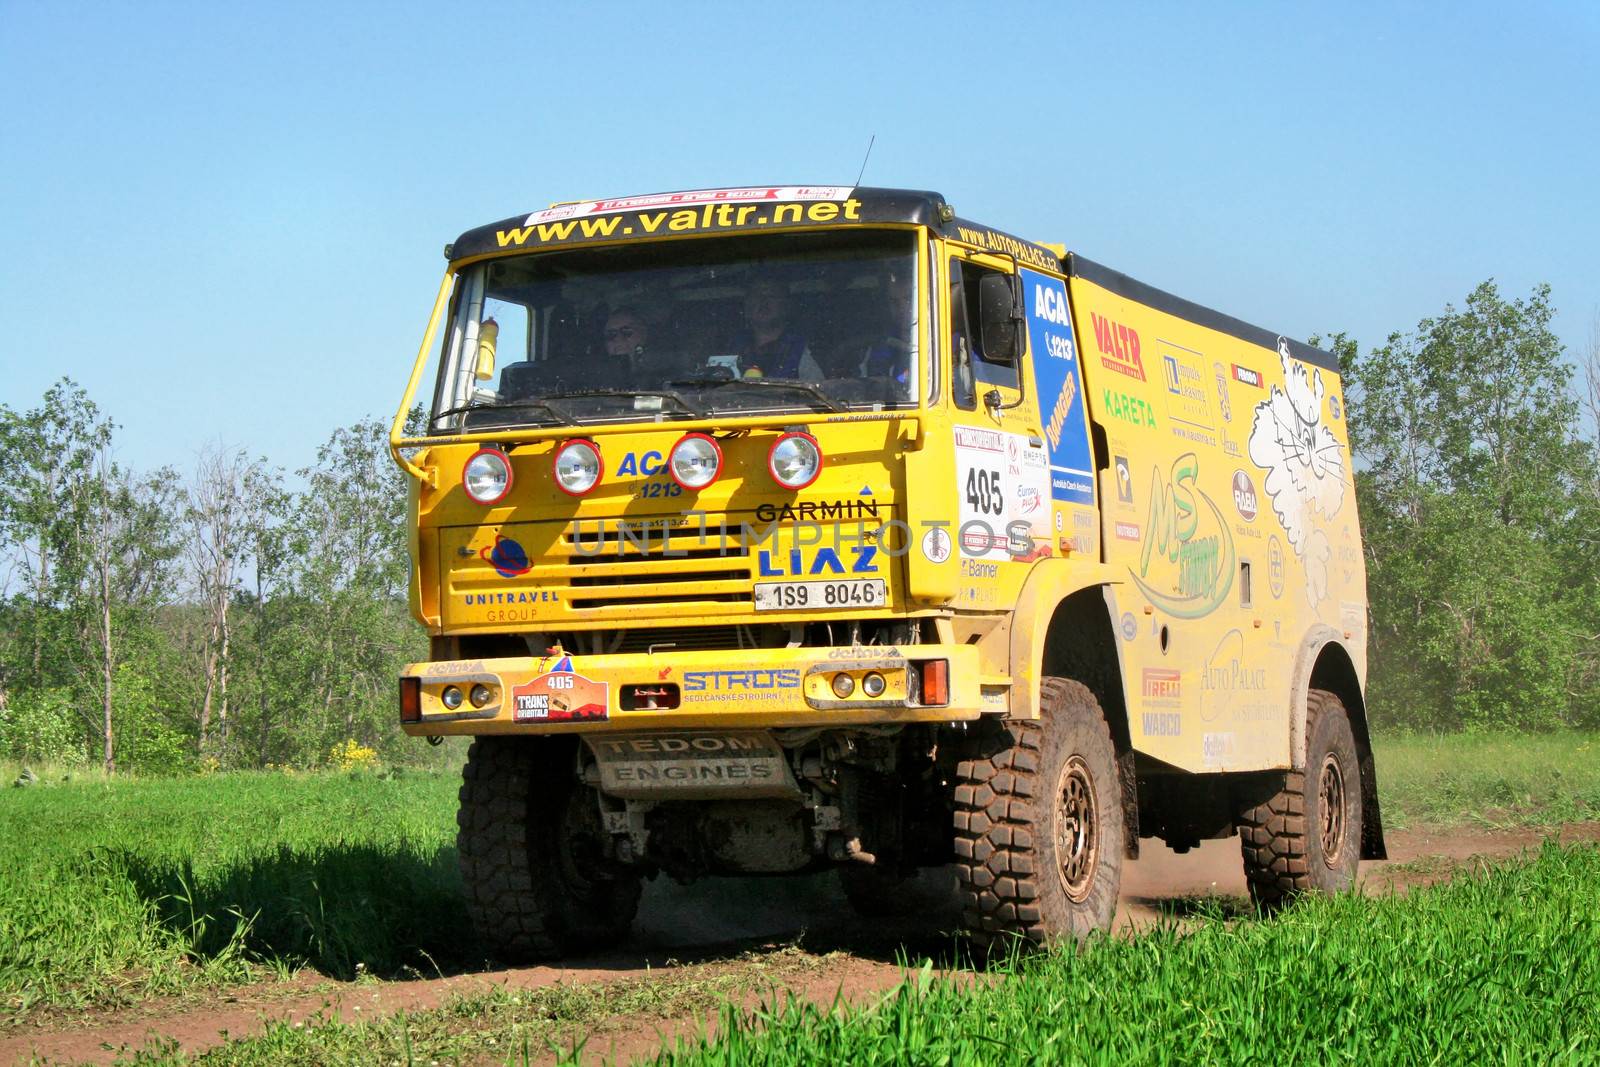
point(561, 414)
point(767, 383)
point(666, 394)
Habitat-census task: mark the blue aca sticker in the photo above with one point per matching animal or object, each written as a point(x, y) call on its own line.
point(1059, 387)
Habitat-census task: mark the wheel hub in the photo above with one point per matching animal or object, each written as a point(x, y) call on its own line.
point(1077, 829)
point(1330, 794)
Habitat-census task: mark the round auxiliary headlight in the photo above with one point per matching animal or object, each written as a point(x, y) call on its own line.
point(577, 467)
point(487, 475)
point(695, 461)
point(843, 686)
point(873, 684)
point(795, 460)
point(479, 696)
point(451, 697)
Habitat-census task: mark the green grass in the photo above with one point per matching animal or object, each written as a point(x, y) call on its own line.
point(1492, 780)
point(115, 891)
point(1500, 967)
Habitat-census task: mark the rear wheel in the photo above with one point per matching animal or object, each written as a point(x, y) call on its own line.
point(1307, 836)
point(1038, 820)
point(530, 845)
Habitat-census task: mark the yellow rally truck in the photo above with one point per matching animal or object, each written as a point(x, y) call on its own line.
point(766, 529)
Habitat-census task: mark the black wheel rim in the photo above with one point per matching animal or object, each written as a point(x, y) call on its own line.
point(1077, 829)
point(1330, 794)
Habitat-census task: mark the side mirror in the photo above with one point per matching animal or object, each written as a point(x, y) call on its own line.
point(998, 319)
point(488, 337)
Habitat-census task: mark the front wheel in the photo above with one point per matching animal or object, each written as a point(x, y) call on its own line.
point(531, 850)
point(1038, 819)
point(1307, 836)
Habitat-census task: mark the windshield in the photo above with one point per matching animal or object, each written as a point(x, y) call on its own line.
point(683, 329)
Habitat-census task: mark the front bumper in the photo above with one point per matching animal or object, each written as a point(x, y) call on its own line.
point(559, 693)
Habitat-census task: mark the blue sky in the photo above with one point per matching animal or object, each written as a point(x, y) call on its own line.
point(226, 220)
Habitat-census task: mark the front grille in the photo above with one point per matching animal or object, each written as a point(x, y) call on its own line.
point(648, 564)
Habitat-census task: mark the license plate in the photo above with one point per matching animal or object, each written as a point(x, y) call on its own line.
point(824, 596)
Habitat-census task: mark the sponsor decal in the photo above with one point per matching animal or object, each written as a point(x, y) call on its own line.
point(701, 764)
point(1192, 550)
point(1027, 254)
point(1244, 496)
point(508, 558)
point(874, 652)
point(525, 596)
point(1304, 465)
point(1119, 346)
point(1002, 481)
point(993, 696)
point(657, 489)
point(1124, 480)
point(1162, 724)
point(1188, 402)
point(1222, 392)
point(824, 559)
point(751, 194)
point(453, 667)
point(1161, 685)
point(1216, 748)
point(1130, 409)
point(648, 464)
point(977, 568)
point(1247, 376)
point(678, 213)
point(936, 544)
point(561, 695)
point(1059, 388)
point(817, 510)
point(766, 683)
point(1226, 671)
point(1130, 626)
point(1127, 531)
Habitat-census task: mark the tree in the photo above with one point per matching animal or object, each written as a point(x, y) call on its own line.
point(217, 519)
point(128, 546)
point(50, 456)
point(1464, 432)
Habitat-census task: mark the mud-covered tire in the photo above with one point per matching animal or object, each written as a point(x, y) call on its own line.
point(1039, 831)
point(527, 843)
point(1307, 836)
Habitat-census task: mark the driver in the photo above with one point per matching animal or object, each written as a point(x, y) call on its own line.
point(626, 335)
point(770, 346)
point(631, 359)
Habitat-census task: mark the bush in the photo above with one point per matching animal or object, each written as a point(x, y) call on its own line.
point(42, 727)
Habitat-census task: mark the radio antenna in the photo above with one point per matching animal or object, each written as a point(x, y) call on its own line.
point(866, 157)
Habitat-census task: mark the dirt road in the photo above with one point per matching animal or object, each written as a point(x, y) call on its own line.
point(722, 921)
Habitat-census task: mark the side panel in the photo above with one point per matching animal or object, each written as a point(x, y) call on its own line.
point(1229, 511)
